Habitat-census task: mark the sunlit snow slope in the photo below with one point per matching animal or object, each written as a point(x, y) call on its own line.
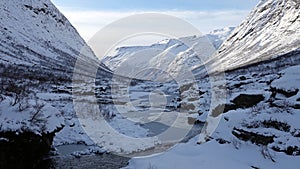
point(272, 29)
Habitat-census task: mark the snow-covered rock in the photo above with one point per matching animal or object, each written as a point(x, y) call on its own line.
point(289, 80)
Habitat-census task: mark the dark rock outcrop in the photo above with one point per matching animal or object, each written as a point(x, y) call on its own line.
point(291, 150)
point(24, 150)
point(255, 138)
point(281, 126)
point(241, 101)
point(247, 100)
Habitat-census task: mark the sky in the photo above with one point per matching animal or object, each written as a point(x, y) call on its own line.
point(90, 16)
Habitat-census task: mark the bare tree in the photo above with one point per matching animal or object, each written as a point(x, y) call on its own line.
point(38, 106)
point(18, 91)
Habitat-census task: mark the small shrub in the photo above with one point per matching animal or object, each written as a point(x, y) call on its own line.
point(18, 91)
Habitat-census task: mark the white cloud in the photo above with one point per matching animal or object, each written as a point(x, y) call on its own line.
point(89, 22)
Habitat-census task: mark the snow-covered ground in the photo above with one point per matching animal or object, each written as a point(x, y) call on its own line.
point(37, 117)
point(242, 137)
point(212, 155)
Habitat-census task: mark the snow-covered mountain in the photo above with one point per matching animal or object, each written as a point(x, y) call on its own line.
point(272, 29)
point(169, 56)
point(218, 36)
point(38, 51)
point(37, 35)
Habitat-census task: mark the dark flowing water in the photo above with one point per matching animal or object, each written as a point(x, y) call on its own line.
point(104, 161)
point(68, 149)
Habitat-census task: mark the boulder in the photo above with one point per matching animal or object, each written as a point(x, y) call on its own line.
point(247, 100)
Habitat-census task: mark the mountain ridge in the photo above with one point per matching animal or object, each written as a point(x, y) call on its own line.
point(168, 56)
point(269, 31)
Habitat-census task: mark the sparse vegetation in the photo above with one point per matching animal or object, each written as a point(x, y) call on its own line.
point(23, 105)
point(36, 114)
point(271, 123)
point(256, 138)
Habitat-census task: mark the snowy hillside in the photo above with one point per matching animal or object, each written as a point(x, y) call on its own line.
point(170, 56)
point(38, 51)
point(45, 38)
point(272, 29)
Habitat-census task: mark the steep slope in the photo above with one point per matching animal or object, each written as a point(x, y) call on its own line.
point(37, 35)
point(272, 29)
point(38, 51)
